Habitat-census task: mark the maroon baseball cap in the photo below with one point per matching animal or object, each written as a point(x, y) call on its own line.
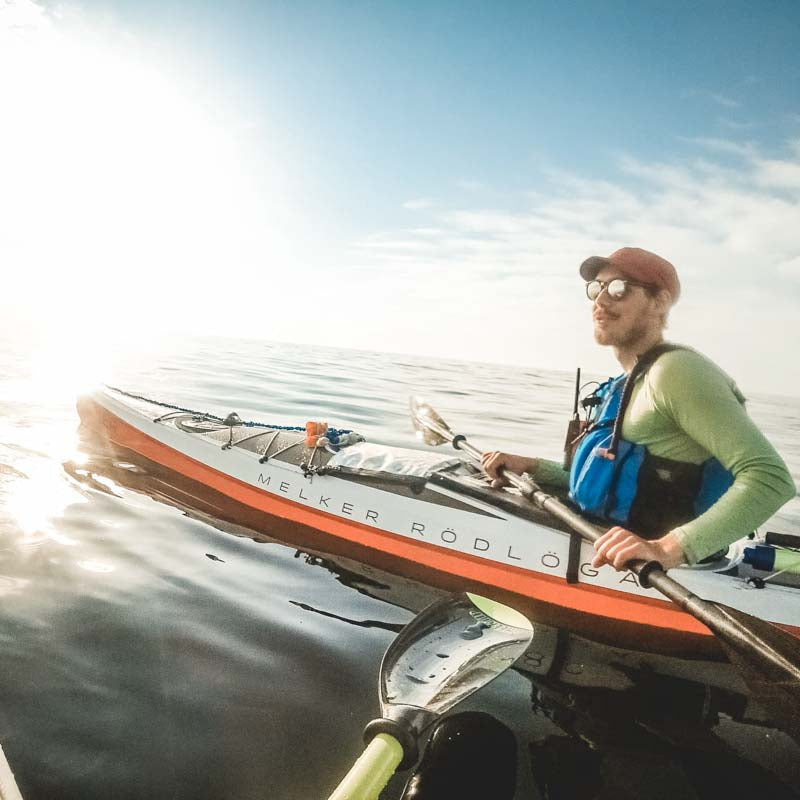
point(638, 265)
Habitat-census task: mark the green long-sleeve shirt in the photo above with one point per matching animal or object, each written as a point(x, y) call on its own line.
point(685, 408)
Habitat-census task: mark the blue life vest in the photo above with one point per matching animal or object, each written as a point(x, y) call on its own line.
point(624, 483)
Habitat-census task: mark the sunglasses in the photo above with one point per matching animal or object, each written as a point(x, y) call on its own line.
point(616, 288)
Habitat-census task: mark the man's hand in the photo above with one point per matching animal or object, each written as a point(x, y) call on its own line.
point(495, 462)
point(619, 546)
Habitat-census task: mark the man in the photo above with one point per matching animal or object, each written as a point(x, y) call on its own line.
point(672, 456)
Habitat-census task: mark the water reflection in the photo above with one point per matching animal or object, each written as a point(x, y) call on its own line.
point(358, 623)
point(96, 566)
point(37, 432)
point(33, 498)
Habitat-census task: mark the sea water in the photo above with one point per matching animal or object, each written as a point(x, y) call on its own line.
point(146, 651)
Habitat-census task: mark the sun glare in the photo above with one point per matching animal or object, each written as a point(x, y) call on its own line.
point(62, 370)
point(123, 183)
point(35, 501)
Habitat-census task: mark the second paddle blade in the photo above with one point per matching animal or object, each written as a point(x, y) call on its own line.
point(454, 647)
point(422, 413)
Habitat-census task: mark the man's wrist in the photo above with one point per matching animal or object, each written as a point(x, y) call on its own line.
point(672, 548)
point(532, 466)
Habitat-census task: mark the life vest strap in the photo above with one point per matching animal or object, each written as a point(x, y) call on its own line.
point(644, 363)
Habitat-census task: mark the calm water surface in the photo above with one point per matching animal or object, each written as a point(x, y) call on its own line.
point(151, 652)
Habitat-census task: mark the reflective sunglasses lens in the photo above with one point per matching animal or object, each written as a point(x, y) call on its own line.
point(616, 288)
point(593, 289)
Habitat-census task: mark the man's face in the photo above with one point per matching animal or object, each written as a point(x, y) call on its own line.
point(625, 321)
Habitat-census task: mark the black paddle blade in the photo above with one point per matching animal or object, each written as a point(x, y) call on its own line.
point(425, 419)
point(769, 659)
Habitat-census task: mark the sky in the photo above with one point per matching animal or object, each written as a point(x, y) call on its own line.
point(415, 177)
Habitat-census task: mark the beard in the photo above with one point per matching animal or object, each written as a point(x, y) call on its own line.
point(616, 334)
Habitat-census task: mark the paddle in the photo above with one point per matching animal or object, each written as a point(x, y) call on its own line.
point(768, 656)
point(451, 649)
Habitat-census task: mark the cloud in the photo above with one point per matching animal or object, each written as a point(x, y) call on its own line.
point(744, 208)
point(727, 217)
point(777, 173)
point(736, 125)
point(418, 205)
point(790, 268)
point(726, 102)
point(745, 150)
point(714, 97)
point(20, 16)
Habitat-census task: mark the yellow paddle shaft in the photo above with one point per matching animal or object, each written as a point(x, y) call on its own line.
point(372, 771)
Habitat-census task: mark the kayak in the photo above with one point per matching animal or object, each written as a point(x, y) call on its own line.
point(421, 515)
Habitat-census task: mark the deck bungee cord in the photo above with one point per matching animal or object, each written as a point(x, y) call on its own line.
point(204, 415)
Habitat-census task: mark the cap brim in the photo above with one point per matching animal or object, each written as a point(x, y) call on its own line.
point(592, 266)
